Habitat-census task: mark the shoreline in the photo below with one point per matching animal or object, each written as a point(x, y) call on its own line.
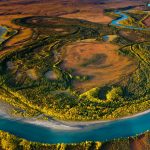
point(78, 125)
point(66, 125)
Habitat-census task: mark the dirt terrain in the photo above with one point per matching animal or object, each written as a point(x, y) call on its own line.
point(147, 21)
point(86, 9)
point(141, 143)
point(95, 12)
point(23, 34)
point(98, 60)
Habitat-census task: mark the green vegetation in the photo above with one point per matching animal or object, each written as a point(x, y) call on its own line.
point(135, 18)
point(114, 94)
point(7, 35)
point(33, 80)
point(11, 142)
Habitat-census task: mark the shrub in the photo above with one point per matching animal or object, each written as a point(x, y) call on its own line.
point(114, 94)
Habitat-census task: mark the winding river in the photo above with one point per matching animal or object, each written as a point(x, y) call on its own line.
point(122, 17)
point(101, 131)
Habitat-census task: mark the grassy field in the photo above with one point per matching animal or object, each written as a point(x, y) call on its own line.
point(95, 59)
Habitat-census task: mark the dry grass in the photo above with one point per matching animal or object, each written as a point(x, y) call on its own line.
point(93, 15)
point(87, 10)
point(20, 38)
point(133, 36)
point(24, 33)
point(94, 12)
point(109, 71)
point(109, 67)
point(141, 143)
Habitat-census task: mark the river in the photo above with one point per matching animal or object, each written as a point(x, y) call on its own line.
point(99, 132)
point(122, 17)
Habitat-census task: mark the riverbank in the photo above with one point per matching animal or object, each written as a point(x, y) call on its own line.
point(6, 109)
point(58, 124)
point(78, 125)
point(43, 131)
point(124, 17)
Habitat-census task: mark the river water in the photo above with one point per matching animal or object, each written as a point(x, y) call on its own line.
point(122, 17)
point(100, 132)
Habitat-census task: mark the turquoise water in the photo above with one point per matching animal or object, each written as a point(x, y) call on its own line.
point(122, 17)
point(107, 131)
